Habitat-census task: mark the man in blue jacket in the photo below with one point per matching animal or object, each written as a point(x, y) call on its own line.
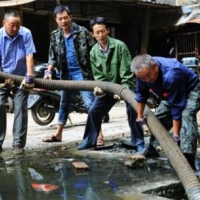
point(178, 108)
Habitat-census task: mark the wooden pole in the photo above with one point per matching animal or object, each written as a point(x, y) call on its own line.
point(145, 31)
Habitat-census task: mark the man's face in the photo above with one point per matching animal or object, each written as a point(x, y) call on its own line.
point(64, 20)
point(12, 25)
point(149, 75)
point(100, 32)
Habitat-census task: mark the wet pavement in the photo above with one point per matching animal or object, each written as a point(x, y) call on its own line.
point(49, 174)
point(128, 183)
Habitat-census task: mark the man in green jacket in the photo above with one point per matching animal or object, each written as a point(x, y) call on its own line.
point(110, 61)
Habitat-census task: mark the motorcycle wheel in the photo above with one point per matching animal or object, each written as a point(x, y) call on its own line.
point(41, 115)
point(106, 118)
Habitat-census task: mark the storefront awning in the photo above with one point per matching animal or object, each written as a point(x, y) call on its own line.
point(14, 2)
point(191, 17)
point(187, 14)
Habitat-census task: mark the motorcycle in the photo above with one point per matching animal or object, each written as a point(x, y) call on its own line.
point(192, 64)
point(44, 104)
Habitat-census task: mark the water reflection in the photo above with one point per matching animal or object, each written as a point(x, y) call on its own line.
point(83, 186)
point(44, 176)
point(19, 178)
point(13, 184)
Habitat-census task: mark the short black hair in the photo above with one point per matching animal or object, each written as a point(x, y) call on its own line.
point(11, 13)
point(60, 9)
point(98, 20)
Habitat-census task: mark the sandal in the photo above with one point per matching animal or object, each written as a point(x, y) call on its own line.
point(100, 141)
point(51, 139)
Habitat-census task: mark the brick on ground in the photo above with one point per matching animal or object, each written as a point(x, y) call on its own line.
point(80, 168)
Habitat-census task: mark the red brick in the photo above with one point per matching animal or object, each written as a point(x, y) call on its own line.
point(80, 168)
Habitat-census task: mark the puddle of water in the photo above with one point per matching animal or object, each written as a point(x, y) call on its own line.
point(49, 174)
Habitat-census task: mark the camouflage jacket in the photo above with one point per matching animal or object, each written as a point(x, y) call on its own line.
point(83, 42)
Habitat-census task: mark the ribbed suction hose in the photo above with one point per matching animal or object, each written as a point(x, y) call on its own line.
point(171, 149)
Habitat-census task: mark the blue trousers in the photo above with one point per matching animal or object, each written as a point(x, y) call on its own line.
point(87, 97)
point(20, 116)
point(99, 108)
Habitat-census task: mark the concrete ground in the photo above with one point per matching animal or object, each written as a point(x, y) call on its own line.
point(118, 125)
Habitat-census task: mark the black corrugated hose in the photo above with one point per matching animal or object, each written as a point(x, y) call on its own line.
point(173, 152)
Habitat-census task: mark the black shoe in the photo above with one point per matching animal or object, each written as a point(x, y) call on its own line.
point(191, 160)
point(18, 149)
point(0, 148)
point(150, 151)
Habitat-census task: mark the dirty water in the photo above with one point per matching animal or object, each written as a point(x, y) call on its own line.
point(49, 174)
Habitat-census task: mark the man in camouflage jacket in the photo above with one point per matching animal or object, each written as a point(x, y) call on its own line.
point(69, 50)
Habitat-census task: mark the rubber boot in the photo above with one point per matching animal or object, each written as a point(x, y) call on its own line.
point(191, 160)
point(150, 151)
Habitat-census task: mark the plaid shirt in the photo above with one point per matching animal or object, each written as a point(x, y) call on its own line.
point(83, 42)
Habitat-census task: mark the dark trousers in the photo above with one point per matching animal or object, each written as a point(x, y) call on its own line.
point(99, 108)
point(20, 124)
